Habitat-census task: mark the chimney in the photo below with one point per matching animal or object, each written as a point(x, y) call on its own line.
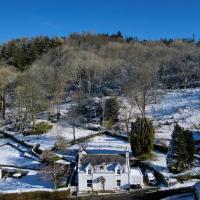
point(127, 159)
point(1, 173)
point(80, 155)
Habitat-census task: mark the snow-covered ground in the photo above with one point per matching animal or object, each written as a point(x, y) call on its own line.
point(61, 128)
point(159, 163)
point(11, 156)
point(182, 106)
point(48, 140)
point(32, 181)
point(101, 145)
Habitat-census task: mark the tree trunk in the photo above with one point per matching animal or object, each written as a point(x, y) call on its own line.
point(3, 105)
point(74, 133)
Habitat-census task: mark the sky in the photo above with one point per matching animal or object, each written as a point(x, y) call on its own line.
point(145, 19)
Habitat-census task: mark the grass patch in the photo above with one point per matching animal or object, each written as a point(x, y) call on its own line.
point(108, 123)
point(55, 158)
point(147, 156)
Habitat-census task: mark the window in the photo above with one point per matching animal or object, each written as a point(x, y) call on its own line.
point(118, 171)
point(101, 168)
point(89, 171)
point(118, 183)
point(89, 183)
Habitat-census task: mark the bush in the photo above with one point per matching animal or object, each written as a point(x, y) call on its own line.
point(42, 127)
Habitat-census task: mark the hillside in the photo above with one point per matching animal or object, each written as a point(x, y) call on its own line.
point(176, 63)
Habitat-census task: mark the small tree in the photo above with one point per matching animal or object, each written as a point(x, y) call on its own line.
point(6, 77)
point(111, 110)
point(181, 150)
point(142, 136)
point(53, 171)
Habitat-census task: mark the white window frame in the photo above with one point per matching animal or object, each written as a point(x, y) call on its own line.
point(118, 172)
point(89, 171)
point(89, 182)
point(118, 181)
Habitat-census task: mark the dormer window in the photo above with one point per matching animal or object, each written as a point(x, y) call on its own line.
point(118, 171)
point(89, 171)
point(102, 168)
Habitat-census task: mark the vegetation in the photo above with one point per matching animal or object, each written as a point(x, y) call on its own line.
point(21, 53)
point(38, 195)
point(111, 111)
point(41, 72)
point(142, 137)
point(42, 127)
point(181, 150)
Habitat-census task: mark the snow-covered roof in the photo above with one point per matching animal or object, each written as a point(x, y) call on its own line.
point(135, 172)
point(136, 176)
point(97, 159)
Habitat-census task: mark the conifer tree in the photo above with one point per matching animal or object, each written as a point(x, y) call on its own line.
point(111, 109)
point(190, 145)
point(181, 150)
point(141, 136)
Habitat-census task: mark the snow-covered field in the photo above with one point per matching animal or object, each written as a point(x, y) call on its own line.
point(101, 145)
point(48, 140)
point(182, 106)
point(32, 181)
point(11, 156)
point(61, 128)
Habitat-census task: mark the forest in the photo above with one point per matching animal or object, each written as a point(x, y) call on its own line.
point(38, 73)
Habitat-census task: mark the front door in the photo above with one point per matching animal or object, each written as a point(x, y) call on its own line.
point(102, 185)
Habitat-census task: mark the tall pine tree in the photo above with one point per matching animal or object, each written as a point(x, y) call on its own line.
point(181, 150)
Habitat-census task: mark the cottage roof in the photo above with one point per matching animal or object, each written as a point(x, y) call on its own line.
point(97, 159)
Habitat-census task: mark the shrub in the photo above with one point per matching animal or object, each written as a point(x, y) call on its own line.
point(42, 127)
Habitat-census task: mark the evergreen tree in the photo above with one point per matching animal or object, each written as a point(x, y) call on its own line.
point(190, 145)
point(181, 150)
point(111, 109)
point(141, 136)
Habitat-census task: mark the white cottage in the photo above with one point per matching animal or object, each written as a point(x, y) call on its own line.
point(1, 173)
point(97, 172)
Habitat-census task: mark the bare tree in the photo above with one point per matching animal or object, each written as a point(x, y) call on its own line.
point(31, 96)
point(56, 172)
point(6, 77)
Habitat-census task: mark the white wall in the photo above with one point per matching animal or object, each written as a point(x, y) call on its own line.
point(1, 174)
point(110, 181)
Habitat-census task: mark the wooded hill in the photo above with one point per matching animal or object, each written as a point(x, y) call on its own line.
point(37, 74)
point(112, 58)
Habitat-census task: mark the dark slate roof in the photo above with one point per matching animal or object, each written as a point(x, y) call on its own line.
point(97, 159)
